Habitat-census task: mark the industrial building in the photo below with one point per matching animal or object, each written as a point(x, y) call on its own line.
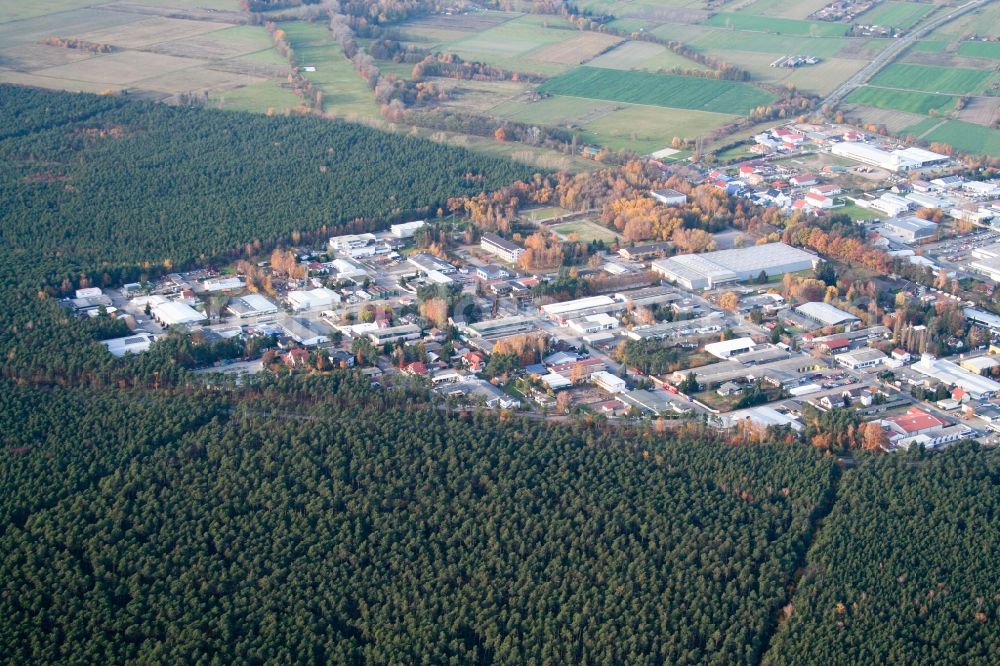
point(428, 262)
point(223, 284)
point(500, 327)
point(581, 307)
point(986, 261)
point(381, 336)
point(763, 417)
point(501, 247)
point(313, 298)
point(130, 344)
point(728, 348)
point(896, 160)
point(406, 229)
point(826, 314)
point(594, 323)
point(713, 269)
point(669, 197)
point(307, 333)
point(978, 387)
point(860, 359)
point(251, 305)
point(609, 382)
point(910, 229)
point(351, 242)
point(174, 313)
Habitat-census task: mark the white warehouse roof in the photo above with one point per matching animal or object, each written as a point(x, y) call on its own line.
point(825, 313)
point(172, 313)
point(727, 348)
point(313, 298)
point(578, 304)
point(714, 268)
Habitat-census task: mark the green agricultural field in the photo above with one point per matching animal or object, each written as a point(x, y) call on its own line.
point(587, 231)
point(900, 100)
point(555, 110)
point(966, 137)
point(757, 42)
point(800, 9)
point(514, 38)
point(658, 90)
point(643, 56)
point(777, 25)
point(980, 50)
point(344, 92)
point(933, 79)
point(929, 46)
point(646, 129)
point(902, 15)
point(258, 97)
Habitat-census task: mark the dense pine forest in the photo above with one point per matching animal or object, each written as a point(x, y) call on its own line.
point(106, 190)
point(359, 532)
point(904, 570)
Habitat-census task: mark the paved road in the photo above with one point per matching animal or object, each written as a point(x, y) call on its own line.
point(896, 49)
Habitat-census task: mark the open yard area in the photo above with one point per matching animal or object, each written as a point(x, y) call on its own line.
point(658, 90)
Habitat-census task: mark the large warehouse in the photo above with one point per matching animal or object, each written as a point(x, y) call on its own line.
point(713, 269)
point(897, 160)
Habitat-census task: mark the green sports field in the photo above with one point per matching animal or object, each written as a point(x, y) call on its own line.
point(658, 90)
point(901, 100)
point(777, 25)
point(933, 79)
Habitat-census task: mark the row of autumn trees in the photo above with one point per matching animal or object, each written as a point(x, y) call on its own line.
point(313, 519)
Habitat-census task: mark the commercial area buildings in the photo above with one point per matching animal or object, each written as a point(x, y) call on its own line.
point(713, 269)
point(251, 305)
point(896, 160)
point(501, 247)
point(826, 314)
point(910, 229)
point(950, 374)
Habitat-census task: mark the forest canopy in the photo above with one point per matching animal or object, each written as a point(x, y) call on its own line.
point(314, 521)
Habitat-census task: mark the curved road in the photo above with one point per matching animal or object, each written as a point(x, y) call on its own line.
point(897, 47)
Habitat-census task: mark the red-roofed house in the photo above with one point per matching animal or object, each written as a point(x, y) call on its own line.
point(803, 180)
point(296, 358)
point(416, 368)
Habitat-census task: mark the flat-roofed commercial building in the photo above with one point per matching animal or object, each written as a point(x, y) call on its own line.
point(251, 305)
point(860, 359)
point(713, 269)
point(501, 247)
point(500, 327)
point(826, 314)
point(581, 307)
point(392, 334)
point(910, 229)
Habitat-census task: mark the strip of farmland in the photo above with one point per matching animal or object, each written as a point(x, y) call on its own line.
point(682, 92)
